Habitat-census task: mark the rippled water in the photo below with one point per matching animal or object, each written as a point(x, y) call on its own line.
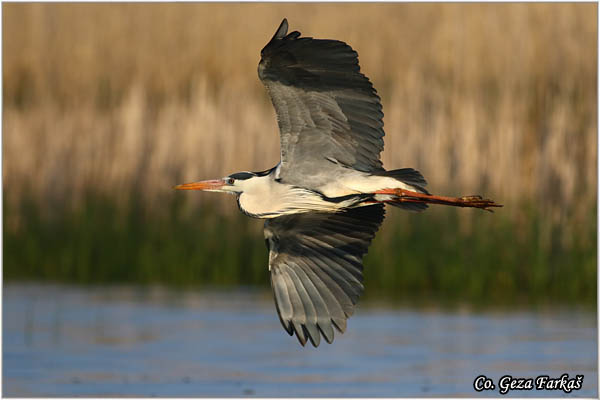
point(71, 341)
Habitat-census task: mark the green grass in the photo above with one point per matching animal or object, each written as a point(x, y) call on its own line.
point(497, 261)
point(427, 257)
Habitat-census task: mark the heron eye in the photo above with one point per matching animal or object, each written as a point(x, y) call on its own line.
point(230, 181)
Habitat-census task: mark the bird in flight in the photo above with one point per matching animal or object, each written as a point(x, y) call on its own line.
point(324, 200)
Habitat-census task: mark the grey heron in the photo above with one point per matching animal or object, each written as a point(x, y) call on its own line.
point(324, 201)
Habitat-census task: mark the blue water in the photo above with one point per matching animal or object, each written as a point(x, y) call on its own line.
point(126, 341)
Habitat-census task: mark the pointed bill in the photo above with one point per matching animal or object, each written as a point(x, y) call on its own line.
point(213, 184)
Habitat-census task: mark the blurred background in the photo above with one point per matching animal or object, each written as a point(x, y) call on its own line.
point(108, 106)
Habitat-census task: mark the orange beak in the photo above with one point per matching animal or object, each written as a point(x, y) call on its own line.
point(213, 184)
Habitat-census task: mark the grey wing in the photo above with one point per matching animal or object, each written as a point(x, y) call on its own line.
point(315, 261)
point(327, 111)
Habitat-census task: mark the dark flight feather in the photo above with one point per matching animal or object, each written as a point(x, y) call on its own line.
point(315, 261)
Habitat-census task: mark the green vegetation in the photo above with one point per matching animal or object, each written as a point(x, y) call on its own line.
point(425, 257)
point(493, 261)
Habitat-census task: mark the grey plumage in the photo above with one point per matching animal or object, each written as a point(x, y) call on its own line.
point(406, 175)
point(329, 114)
point(331, 123)
point(315, 261)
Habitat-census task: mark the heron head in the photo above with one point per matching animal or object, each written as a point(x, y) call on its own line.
point(233, 184)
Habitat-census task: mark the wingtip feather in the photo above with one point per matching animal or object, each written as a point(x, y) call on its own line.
point(299, 329)
point(313, 334)
point(282, 30)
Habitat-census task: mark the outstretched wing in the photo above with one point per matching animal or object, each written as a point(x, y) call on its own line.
point(315, 261)
point(327, 110)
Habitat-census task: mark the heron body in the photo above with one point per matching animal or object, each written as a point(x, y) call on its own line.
point(266, 195)
point(324, 201)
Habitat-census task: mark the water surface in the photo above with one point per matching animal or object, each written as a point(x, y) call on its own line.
point(127, 341)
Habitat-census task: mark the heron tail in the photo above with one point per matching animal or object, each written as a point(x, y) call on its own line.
point(409, 176)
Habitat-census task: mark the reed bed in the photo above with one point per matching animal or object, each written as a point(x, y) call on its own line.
point(123, 101)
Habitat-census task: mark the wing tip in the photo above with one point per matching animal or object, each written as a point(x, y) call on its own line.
point(299, 329)
point(282, 30)
point(313, 334)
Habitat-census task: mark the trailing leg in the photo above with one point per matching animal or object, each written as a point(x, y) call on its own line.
point(401, 196)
